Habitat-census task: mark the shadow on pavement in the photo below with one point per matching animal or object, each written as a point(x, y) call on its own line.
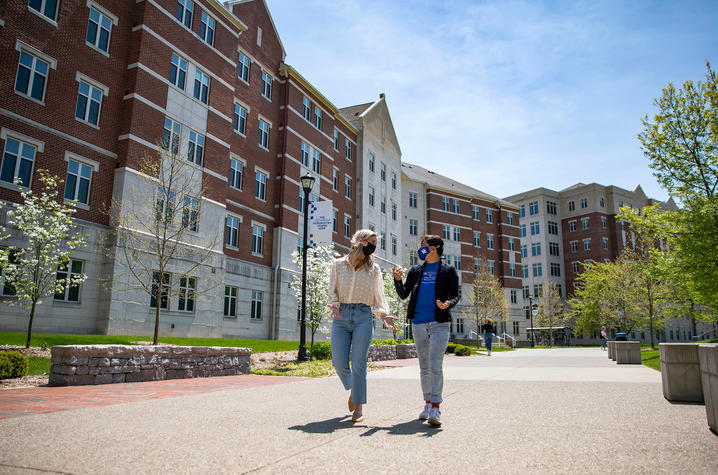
point(406, 428)
point(326, 427)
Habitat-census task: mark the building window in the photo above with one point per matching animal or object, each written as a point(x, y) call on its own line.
point(347, 187)
point(17, 161)
point(256, 310)
point(537, 269)
point(239, 122)
point(190, 213)
point(524, 271)
point(160, 289)
point(371, 196)
point(266, 85)
point(383, 204)
point(89, 101)
point(605, 243)
point(510, 218)
point(455, 207)
point(382, 242)
point(445, 203)
point(413, 227)
point(445, 232)
point(535, 249)
point(512, 271)
point(318, 118)
point(164, 207)
point(603, 222)
point(553, 249)
point(491, 267)
point(186, 294)
point(393, 245)
point(304, 154)
point(347, 149)
point(184, 12)
point(457, 234)
point(243, 67)
point(195, 147)
point(572, 225)
point(522, 211)
point(393, 180)
point(347, 227)
point(538, 290)
point(257, 239)
point(307, 109)
point(489, 241)
point(514, 297)
point(334, 221)
point(574, 246)
point(336, 140)
point(584, 203)
point(524, 250)
point(77, 181)
point(236, 169)
point(571, 206)
point(393, 211)
point(551, 208)
point(206, 29)
point(459, 325)
point(335, 180)
point(230, 301)
point(46, 7)
point(178, 71)
point(371, 162)
point(260, 186)
point(412, 200)
point(382, 171)
point(526, 291)
point(263, 139)
point(555, 269)
point(66, 274)
point(587, 244)
point(553, 228)
point(477, 239)
point(31, 76)
point(512, 246)
point(489, 216)
point(316, 161)
point(231, 231)
point(602, 202)
point(584, 223)
point(523, 230)
point(457, 262)
point(533, 208)
point(99, 28)
point(201, 86)
point(475, 212)
point(535, 228)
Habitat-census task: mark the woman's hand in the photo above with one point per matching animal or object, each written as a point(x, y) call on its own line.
point(388, 320)
point(442, 305)
point(335, 312)
point(398, 272)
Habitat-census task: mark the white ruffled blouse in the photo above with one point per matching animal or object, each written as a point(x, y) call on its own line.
point(362, 286)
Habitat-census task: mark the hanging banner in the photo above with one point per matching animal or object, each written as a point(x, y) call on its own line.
point(321, 220)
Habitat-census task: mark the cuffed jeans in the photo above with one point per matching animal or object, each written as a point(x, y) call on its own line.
point(352, 334)
point(431, 340)
point(488, 339)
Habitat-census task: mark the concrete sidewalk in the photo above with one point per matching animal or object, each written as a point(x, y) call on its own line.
point(564, 410)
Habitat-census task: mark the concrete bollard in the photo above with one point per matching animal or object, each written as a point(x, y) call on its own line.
point(708, 361)
point(628, 352)
point(611, 350)
point(680, 372)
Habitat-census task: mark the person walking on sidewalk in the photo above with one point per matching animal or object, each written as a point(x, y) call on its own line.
point(356, 292)
point(434, 290)
point(488, 330)
point(604, 338)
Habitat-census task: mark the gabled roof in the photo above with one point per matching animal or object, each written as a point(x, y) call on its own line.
point(360, 112)
point(434, 180)
point(230, 3)
point(352, 113)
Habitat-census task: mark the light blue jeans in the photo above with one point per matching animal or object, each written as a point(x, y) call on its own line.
point(431, 340)
point(352, 334)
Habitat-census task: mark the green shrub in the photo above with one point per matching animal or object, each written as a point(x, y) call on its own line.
point(321, 351)
point(388, 341)
point(13, 364)
point(451, 347)
point(405, 341)
point(462, 350)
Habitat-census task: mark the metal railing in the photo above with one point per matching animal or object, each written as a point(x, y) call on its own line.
point(705, 335)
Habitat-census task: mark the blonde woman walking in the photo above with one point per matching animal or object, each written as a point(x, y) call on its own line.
point(356, 293)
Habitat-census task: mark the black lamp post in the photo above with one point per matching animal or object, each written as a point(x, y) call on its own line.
point(307, 184)
point(531, 314)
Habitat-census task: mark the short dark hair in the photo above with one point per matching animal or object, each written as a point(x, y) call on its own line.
point(436, 241)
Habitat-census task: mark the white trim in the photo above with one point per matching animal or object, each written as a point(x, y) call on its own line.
point(311, 144)
point(216, 203)
point(104, 11)
point(238, 217)
point(243, 104)
point(20, 45)
point(215, 174)
point(330, 138)
point(139, 140)
point(153, 3)
point(79, 158)
point(252, 59)
point(146, 101)
point(252, 210)
point(261, 117)
point(42, 15)
point(221, 142)
point(220, 114)
point(39, 144)
point(81, 77)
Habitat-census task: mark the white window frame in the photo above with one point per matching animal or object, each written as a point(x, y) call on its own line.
point(413, 199)
point(175, 135)
point(190, 213)
point(489, 241)
point(37, 55)
point(240, 112)
point(209, 24)
point(39, 147)
point(103, 12)
point(347, 149)
point(163, 289)
point(259, 187)
point(186, 294)
point(263, 134)
point(347, 226)
point(187, 8)
point(41, 13)
point(477, 238)
point(68, 275)
point(201, 78)
point(336, 140)
point(178, 66)
point(94, 168)
point(316, 161)
point(233, 172)
point(347, 187)
point(195, 148)
point(371, 195)
point(231, 232)
point(243, 66)
point(256, 304)
point(317, 118)
point(413, 227)
point(335, 179)
point(489, 215)
point(92, 85)
point(307, 109)
point(230, 301)
point(257, 243)
point(266, 90)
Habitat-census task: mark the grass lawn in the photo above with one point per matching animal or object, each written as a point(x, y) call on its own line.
point(38, 365)
point(651, 359)
point(50, 340)
point(310, 369)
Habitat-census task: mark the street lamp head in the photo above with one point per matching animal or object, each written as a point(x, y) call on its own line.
point(307, 183)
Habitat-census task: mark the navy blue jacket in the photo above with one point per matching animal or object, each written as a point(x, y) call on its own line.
point(447, 288)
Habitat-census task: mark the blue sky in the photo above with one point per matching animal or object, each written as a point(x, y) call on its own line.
point(506, 96)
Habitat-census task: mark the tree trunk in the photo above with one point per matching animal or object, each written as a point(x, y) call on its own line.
point(29, 325)
point(155, 339)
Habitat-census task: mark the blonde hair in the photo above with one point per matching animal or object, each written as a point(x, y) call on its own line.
point(356, 255)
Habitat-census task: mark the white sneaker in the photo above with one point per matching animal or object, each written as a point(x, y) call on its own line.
point(425, 413)
point(435, 417)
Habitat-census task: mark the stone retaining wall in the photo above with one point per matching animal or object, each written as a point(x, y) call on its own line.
point(382, 352)
point(104, 364)
point(405, 351)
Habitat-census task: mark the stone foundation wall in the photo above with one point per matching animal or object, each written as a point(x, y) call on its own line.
point(405, 350)
point(104, 364)
point(382, 352)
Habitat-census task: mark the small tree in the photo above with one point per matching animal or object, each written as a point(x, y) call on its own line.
point(319, 263)
point(45, 223)
point(157, 224)
point(552, 311)
point(487, 298)
point(397, 306)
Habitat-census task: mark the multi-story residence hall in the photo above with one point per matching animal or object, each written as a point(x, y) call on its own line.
point(89, 87)
point(475, 227)
point(562, 230)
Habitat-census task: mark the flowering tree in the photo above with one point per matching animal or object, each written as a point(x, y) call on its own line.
point(319, 262)
point(397, 306)
point(45, 223)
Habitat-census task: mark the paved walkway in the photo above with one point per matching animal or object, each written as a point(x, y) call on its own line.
point(558, 411)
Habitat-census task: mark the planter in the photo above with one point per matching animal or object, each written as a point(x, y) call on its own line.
point(627, 352)
point(611, 350)
point(708, 360)
point(405, 350)
point(680, 372)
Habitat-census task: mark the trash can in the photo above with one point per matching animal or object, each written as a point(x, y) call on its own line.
point(621, 337)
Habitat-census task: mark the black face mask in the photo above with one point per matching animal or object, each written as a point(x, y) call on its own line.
point(369, 249)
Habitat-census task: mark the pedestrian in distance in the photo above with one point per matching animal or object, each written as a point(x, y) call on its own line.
point(433, 287)
point(604, 338)
point(356, 294)
point(488, 330)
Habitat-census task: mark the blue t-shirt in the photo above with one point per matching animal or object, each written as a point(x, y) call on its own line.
point(426, 300)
